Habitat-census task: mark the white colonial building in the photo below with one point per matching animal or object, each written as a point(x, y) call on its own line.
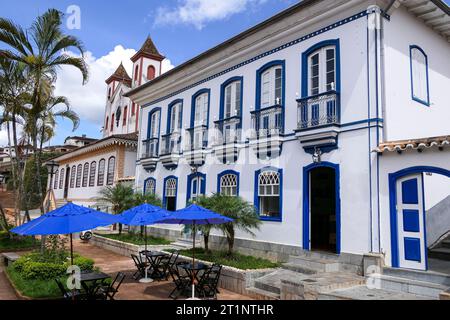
point(83, 172)
point(323, 117)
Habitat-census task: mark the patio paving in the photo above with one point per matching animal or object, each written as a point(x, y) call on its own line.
point(6, 290)
point(111, 263)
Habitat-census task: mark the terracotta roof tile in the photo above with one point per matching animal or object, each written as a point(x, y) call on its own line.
point(414, 144)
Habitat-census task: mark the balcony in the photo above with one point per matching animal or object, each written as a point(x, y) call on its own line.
point(195, 144)
point(318, 120)
point(150, 155)
point(171, 150)
point(267, 135)
point(227, 139)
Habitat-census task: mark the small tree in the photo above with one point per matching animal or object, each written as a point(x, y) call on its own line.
point(236, 208)
point(149, 198)
point(120, 197)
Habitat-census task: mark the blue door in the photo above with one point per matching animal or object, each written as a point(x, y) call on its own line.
point(411, 222)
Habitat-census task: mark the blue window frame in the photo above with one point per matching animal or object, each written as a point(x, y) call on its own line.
point(420, 89)
point(204, 114)
point(236, 96)
point(150, 186)
point(196, 185)
point(154, 127)
point(170, 193)
point(306, 68)
point(228, 183)
point(268, 187)
point(172, 117)
point(273, 95)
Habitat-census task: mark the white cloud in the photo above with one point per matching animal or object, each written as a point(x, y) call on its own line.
point(199, 12)
point(89, 100)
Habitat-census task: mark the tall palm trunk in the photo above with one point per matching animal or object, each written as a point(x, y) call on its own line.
point(18, 196)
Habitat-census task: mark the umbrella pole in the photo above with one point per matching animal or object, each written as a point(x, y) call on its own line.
point(145, 235)
point(193, 264)
point(71, 250)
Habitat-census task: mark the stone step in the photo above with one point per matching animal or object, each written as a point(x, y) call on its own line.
point(260, 294)
point(320, 265)
point(320, 255)
point(364, 293)
point(272, 281)
point(440, 253)
point(425, 276)
point(396, 284)
point(445, 244)
point(298, 268)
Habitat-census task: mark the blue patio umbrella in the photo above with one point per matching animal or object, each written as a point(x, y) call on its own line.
point(195, 215)
point(68, 219)
point(143, 215)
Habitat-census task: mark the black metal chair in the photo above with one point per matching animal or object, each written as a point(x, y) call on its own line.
point(140, 267)
point(69, 295)
point(108, 292)
point(180, 280)
point(169, 262)
point(207, 286)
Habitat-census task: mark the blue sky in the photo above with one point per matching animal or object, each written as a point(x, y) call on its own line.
point(180, 29)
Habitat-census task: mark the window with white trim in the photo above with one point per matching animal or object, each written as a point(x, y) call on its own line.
point(269, 194)
point(61, 178)
point(322, 70)
point(111, 169)
point(175, 118)
point(271, 86)
point(85, 175)
point(201, 110)
point(150, 186)
point(101, 172)
point(92, 174)
point(154, 124)
point(72, 177)
point(197, 187)
point(228, 184)
point(79, 169)
point(419, 75)
point(55, 186)
point(232, 99)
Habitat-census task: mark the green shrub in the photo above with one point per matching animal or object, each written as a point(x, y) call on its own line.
point(85, 264)
point(43, 270)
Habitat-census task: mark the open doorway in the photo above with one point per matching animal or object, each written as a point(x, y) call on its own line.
point(66, 184)
point(323, 209)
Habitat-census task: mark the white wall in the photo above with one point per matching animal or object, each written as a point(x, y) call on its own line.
point(406, 118)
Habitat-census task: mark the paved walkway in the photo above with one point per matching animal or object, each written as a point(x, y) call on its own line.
point(6, 291)
point(111, 263)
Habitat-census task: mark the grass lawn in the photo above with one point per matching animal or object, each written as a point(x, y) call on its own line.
point(37, 289)
point(17, 243)
point(238, 260)
point(136, 239)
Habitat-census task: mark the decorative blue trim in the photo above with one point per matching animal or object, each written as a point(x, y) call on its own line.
point(393, 177)
point(306, 218)
point(169, 114)
point(222, 97)
point(305, 69)
point(194, 96)
point(259, 72)
point(427, 102)
point(223, 173)
point(149, 125)
point(164, 190)
point(189, 180)
point(145, 184)
point(256, 198)
point(265, 54)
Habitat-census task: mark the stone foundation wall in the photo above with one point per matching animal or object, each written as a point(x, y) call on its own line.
point(122, 248)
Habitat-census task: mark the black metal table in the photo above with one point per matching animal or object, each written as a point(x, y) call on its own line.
point(91, 281)
point(154, 258)
point(193, 271)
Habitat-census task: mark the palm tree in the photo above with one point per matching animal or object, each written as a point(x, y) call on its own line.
point(43, 49)
point(120, 197)
point(242, 212)
point(149, 198)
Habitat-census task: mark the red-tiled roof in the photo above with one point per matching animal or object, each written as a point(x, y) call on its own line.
point(149, 50)
point(120, 75)
point(414, 144)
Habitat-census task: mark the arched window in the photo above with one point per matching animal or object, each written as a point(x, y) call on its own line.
point(151, 73)
point(270, 84)
point(268, 200)
point(72, 177)
point(419, 75)
point(55, 186)
point(61, 178)
point(229, 184)
point(150, 186)
point(136, 73)
point(85, 174)
point(79, 169)
point(200, 108)
point(125, 116)
point(111, 168)
point(232, 96)
point(112, 123)
point(92, 174)
point(175, 116)
point(101, 172)
point(170, 194)
point(107, 124)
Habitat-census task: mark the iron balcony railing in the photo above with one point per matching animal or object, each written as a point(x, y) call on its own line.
point(150, 148)
point(319, 110)
point(267, 122)
point(227, 131)
point(171, 143)
point(196, 138)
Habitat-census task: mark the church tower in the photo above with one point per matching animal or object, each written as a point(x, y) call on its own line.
point(147, 63)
